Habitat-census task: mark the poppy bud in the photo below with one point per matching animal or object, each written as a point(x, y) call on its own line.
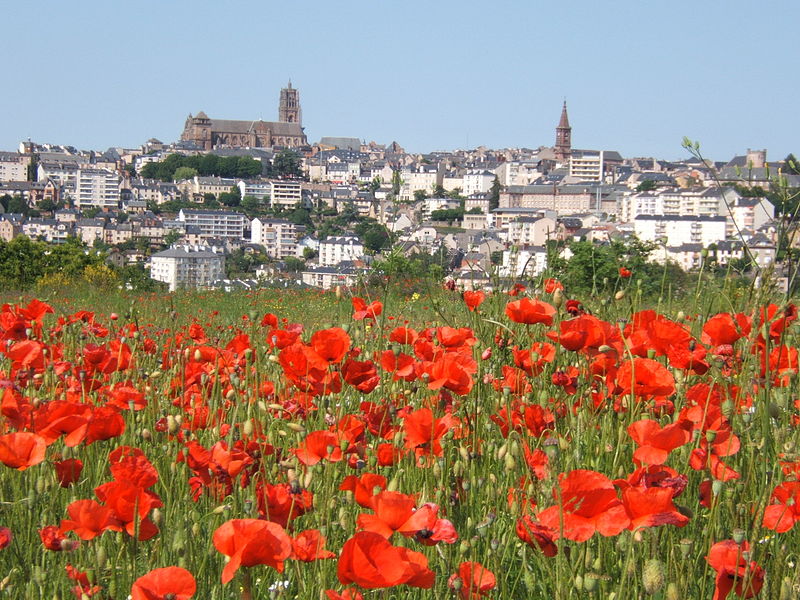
point(509, 463)
point(672, 593)
point(101, 558)
point(654, 576)
point(619, 295)
point(711, 435)
point(578, 583)
point(41, 485)
point(172, 425)
point(680, 316)
point(501, 451)
point(738, 536)
point(686, 547)
point(590, 582)
point(455, 583)
point(716, 487)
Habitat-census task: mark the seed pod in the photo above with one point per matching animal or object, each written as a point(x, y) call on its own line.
point(654, 575)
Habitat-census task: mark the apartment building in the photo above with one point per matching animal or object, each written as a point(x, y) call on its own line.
point(278, 236)
point(14, 166)
point(222, 224)
point(187, 267)
point(336, 249)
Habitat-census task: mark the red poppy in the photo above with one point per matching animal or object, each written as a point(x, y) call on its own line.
point(655, 442)
point(624, 273)
point(281, 502)
point(250, 542)
point(517, 289)
point(551, 285)
point(726, 328)
point(645, 378)
point(370, 561)
point(537, 535)
point(22, 450)
point(309, 546)
point(476, 580)
point(363, 487)
point(362, 375)
point(530, 312)
point(362, 310)
point(347, 594)
point(331, 344)
point(727, 559)
point(651, 507)
point(317, 446)
point(588, 504)
point(53, 539)
point(84, 589)
point(785, 512)
point(424, 433)
point(5, 537)
point(395, 511)
point(88, 519)
point(473, 299)
point(168, 583)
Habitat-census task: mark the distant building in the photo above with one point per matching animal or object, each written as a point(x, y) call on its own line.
point(187, 267)
point(96, 188)
point(278, 236)
point(679, 230)
point(14, 166)
point(336, 249)
point(215, 223)
point(208, 133)
point(563, 147)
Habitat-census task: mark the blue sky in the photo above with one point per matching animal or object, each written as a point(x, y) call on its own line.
point(637, 75)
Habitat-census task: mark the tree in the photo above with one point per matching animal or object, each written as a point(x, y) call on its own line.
point(17, 204)
point(646, 185)
point(293, 264)
point(396, 183)
point(287, 163)
point(376, 238)
point(232, 198)
point(439, 191)
point(309, 253)
point(172, 236)
point(791, 165)
point(182, 173)
point(420, 195)
point(494, 194)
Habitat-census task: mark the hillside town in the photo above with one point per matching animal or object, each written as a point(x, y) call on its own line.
point(241, 203)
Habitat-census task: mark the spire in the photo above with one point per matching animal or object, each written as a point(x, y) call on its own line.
point(564, 122)
point(290, 84)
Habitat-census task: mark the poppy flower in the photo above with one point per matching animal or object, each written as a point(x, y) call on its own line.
point(369, 560)
point(84, 588)
point(624, 273)
point(53, 539)
point(281, 503)
point(537, 535)
point(168, 583)
point(785, 510)
point(68, 471)
point(362, 375)
point(424, 433)
point(331, 344)
point(309, 546)
point(476, 580)
point(473, 299)
point(5, 537)
point(22, 450)
point(530, 312)
point(363, 487)
point(250, 542)
point(651, 507)
point(362, 310)
point(551, 285)
point(727, 559)
point(395, 511)
point(88, 519)
point(588, 504)
point(655, 442)
point(725, 328)
point(644, 377)
point(347, 594)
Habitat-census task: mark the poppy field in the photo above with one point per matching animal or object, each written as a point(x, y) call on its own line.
point(516, 444)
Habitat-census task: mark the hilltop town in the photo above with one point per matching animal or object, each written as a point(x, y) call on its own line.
point(242, 203)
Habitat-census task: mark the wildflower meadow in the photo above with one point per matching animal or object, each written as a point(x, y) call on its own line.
point(520, 443)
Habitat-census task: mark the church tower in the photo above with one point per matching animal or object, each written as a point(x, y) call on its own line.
point(289, 107)
point(563, 145)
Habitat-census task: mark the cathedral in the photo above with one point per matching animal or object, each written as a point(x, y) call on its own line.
point(286, 132)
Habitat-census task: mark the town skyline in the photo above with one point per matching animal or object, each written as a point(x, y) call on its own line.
point(451, 76)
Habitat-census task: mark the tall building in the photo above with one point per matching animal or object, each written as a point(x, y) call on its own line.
point(287, 132)
point(563, 145)
point(289, 106)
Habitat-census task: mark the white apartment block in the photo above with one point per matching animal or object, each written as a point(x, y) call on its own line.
point(223, 224)
point(517, 173)
point(63, 173)
point(96, 188)
point(48, 230)
point(524, 262)
point(186, 267)
point(287, 194)
point(260, 190)
point(13, 166)
point(679, 230)
point(749, 214)
point(423, 178)
point(336, 249)
point(477, 181)
point(278, 236)
point(531, 231)
point(586, 165)
point(329, 277)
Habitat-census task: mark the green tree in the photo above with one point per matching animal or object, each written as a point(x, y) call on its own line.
point(182, 173)
point(420, 195)
point(17, 204)
point(646, 185)
point(287, 163)
point(791, 165)
point(376, 238)
point(293, 264)
point(232, 198)
point(494, 194)
point(172, 236)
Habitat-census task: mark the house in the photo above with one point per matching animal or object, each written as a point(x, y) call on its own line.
point(187, 267)
point(334, 250)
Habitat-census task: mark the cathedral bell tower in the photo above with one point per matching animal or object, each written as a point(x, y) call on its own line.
point(563, 145)
point(289, 106)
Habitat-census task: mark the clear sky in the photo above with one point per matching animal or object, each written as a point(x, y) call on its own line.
point(638, 75)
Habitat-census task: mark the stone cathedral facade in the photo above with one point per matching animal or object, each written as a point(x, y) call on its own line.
point(286, 132)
